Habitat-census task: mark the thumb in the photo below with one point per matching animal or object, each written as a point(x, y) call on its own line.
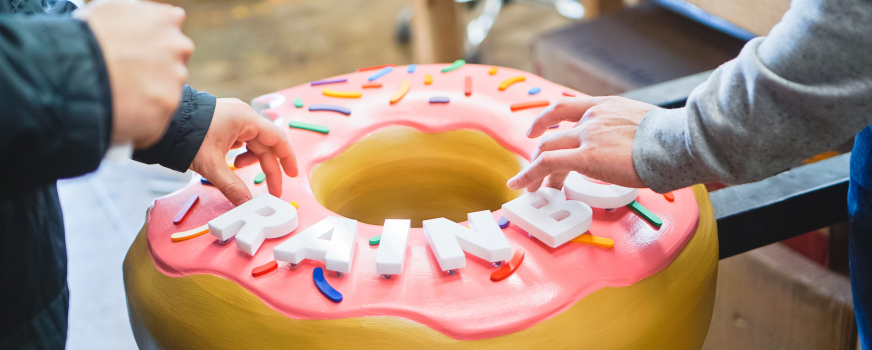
point(220, 175)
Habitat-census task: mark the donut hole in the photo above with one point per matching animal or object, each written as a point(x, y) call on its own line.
point(404, 173)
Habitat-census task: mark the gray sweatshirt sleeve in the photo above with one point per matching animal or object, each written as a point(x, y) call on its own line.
point(802, 90)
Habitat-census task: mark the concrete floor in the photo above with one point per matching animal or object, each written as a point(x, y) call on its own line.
point(244, 49)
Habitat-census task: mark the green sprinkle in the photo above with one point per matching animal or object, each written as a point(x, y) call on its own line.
point(298, 102)
point(311, 127)
point(453, 66)
point(375, 240)
point(259, 178)
point(645, 214)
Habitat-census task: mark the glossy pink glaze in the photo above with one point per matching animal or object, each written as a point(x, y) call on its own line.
point(464, 306)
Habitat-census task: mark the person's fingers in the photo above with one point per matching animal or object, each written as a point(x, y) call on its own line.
point(567, 109)
point(245, 159)
point(565, 139)
point(237, 144)
point(556, 180)
point(273, 137)
point(547, 163)
point(270, 166)
point(225, 180)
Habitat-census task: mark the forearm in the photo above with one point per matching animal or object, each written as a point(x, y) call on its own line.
point(801, 91)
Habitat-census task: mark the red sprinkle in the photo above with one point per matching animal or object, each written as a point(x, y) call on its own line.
point(263, 269)
point(371, 85)
point(567, 93)
point(183, 212)
point(374, 68)
point(669, 196)
point(509, 267)
point(525, 105)
point(467, 89)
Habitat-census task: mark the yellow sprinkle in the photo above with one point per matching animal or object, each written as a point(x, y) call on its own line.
point(428, 79)
point(492, 71)
point(231, 166)
point(185, 235)
point(296, 205)
point(594, 241)
point(404, 89)
point(343, 94)
point(506, 83)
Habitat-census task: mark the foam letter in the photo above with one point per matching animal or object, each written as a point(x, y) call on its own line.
point(254, 221)
point(392, 248)
point(331, 240)
point(548, 216)
point(483, 238)
point(598, 195)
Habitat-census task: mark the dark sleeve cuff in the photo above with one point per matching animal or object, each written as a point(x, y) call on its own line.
point(182, 140)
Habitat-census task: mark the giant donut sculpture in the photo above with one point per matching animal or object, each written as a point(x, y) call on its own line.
point(399, 155)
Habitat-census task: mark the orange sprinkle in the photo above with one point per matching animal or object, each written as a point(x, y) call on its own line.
point(596, 241)
point(263, 269)
point(467, 86)
point(533, 104)
point(492, 71)
point(404, 89)
point(669, 196)
point(567, 93)
point(428, 79)
point(371, 85)
point(374, 68)
point(509, 267)
point(508, 82)
point(186, 235)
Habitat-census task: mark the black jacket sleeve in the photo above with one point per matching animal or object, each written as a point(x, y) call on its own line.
point(55, 99)
point(185, 134)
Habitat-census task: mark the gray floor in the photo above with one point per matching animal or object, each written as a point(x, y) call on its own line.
point(103, 211)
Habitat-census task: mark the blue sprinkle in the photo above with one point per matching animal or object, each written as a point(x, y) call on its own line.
point(412, 68)
point(439, 99)
point(381, 72)
point(205, 182)
point(503, 222)
point(534, 91)
point(324, 287)
point(554, 127)
point(331, 108)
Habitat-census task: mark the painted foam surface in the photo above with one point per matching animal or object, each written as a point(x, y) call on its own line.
point(467, 305)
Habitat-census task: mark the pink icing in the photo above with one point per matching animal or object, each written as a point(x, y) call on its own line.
point(464, 306)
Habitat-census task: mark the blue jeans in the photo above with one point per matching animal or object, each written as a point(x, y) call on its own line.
point(860, 239)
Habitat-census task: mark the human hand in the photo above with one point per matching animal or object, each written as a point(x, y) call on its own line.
point(145, 54)
point(599, 146)
point(235, 123)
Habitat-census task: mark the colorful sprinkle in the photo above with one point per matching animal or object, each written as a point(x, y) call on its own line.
point(232, 167)
point(374, 67)
point(259, 178)
point(342, 94)
point(596, 241)
point(567, 93)
point(330, 108)
point(428, 79)
point(412, 68)
point(324, 287)
point(467, 86)
point(185, 235)
point(298, 102)
point(669, 196)
point(183, 211)
point(296, 205)
point(381, 73)
point(404, 89)
point(205, 182)
point(508, 82)
point(311, 127)
point(330, 81)
point(509, 267)
point(265, 268)
point(492, 71)
point(371, 85)
point(534, 91)
point(439, 99)
point(503, 222)
point(453, 66)
point(375, 240)
point(554, 127)
point(525, 105)
point(645, 214)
